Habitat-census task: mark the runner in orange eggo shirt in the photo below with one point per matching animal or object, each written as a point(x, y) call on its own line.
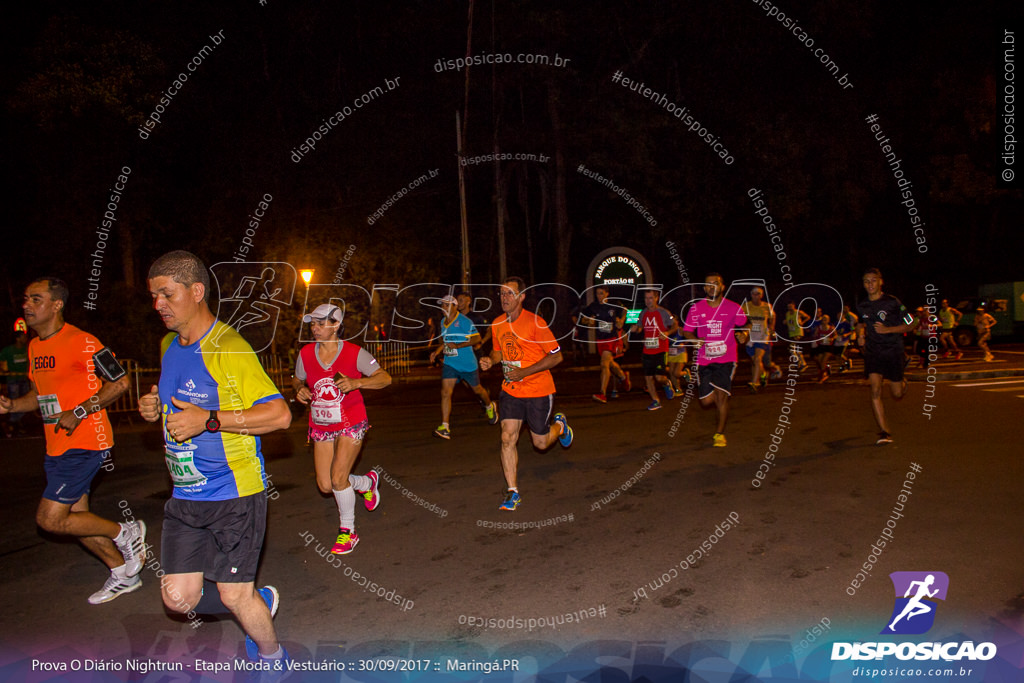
point(72, 400)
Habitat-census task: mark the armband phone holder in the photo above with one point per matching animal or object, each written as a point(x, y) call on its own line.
point(107, 366)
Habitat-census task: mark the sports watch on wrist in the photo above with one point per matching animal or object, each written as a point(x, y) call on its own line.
point(213, 424)
point(80, 412)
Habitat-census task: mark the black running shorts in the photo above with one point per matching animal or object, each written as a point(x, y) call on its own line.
point(536, 412)
point(220, 538)
point(653, 364)
point(715, 376)
point(888, 365)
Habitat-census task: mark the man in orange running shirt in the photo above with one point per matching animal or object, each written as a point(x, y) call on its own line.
point(527, 351)
point(73, 400)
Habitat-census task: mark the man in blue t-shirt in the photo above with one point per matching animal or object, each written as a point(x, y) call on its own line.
point(458, 336)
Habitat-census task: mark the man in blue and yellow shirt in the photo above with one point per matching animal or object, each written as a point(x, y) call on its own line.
point(214, 400)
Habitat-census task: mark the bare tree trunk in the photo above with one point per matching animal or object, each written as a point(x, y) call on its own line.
point(524, 203)
point(128, 257)
point(499, 200)
point(562, 230)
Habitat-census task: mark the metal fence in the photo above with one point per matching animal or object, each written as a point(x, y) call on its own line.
point(277, 370)
point(128, 402)
point(391, 355)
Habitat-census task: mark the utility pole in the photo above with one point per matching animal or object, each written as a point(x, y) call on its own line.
point(460, 134)
point(462, 201)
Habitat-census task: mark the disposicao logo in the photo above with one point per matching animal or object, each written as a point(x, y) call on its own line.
point(916, 601)
point(913, 613)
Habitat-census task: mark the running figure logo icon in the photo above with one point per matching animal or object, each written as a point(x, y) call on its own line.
point(916, 595)
point(252, 297)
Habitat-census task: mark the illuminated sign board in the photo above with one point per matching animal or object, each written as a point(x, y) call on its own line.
point(619, 270)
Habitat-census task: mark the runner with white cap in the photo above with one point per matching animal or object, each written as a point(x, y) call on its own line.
point(329, 375)
point(458, 336)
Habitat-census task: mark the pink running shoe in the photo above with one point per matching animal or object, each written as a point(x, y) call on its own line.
point(371, 497)
point(346, 543)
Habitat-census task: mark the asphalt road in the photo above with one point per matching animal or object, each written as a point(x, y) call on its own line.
point(624, 564)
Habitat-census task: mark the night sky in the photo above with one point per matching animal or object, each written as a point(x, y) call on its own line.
point(81, 80)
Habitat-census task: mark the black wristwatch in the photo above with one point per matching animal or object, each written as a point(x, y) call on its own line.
point(80, 412)
point(213, 424)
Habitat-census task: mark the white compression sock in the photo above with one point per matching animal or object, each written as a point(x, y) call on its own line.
point(346, 507)
point(360, 482)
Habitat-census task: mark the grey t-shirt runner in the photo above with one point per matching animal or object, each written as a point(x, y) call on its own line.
point(758, 317)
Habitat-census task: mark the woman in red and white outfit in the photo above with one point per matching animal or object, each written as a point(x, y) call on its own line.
point(329, 376)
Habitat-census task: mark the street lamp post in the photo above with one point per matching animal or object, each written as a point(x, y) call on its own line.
point(307, 276)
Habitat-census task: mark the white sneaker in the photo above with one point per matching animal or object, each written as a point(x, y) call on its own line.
point(133, 549)
point(114, 587)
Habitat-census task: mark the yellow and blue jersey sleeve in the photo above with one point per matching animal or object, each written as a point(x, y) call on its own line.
point(220, 372)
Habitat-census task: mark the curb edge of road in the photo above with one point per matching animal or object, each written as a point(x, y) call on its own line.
point(911, 377)
point(967, 374)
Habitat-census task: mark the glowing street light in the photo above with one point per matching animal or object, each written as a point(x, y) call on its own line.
point(307, 275)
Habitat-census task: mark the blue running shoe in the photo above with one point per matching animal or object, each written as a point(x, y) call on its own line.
point(655, 405)
point(273, 600)
point(566, 438)
point(669, 394)
point(511, 501)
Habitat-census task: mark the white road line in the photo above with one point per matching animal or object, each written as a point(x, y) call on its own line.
point(989, 384)
point(1004, 389)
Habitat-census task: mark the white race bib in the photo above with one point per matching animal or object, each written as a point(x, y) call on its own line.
point(652, 342)
point(507, 365)
point(49, 406)
point(714, 349)
point(326, 412)
point(181, 464)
